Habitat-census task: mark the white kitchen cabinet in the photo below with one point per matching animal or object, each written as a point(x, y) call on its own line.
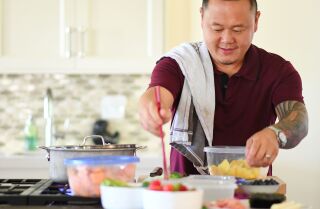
point(122, 36)
point(30, 37)
point(0, 27)
point(81, 36)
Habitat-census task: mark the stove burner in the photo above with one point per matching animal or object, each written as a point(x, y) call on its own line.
point(40, 192)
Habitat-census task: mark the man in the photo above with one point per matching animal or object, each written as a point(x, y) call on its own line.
point(241, 87)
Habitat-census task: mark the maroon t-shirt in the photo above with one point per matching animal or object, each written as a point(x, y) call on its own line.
point(245, 102)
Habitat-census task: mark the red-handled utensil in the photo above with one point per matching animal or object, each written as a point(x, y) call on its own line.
point(164, 160)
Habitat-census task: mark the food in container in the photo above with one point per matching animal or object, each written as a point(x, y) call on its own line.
point(125, 196)
point(258, 186)
point(230, 203)
point(171, 196)
point(85, 174)
point(230, 161)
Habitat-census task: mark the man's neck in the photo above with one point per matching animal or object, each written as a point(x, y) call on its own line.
point(230, 70)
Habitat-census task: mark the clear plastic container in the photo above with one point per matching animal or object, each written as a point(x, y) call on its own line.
point(230, 161)
point(85, 174)
point(214, 187)
point(208, 177)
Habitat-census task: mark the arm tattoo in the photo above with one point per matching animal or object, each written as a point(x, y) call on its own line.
point(293, 121)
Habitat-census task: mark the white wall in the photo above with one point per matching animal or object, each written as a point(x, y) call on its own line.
point(290, 28)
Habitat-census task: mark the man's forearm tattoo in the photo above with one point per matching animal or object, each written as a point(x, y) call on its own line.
point(293, 121)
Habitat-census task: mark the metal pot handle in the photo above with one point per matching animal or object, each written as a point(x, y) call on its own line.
point(48, 151)
point(141, 147)
point(93, 136)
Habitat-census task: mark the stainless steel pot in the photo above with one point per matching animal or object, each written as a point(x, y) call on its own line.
point(57, 154)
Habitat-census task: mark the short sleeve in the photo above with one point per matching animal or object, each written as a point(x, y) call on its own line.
point(167, 74)
point(289, 86)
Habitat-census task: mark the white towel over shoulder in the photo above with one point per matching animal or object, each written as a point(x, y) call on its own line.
point(195, 63)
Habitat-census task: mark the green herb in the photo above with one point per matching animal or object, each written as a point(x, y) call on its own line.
point(115, 183)
point(175, 175)
point(145, 184)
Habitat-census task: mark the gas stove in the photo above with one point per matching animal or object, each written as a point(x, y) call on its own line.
point(40, 192)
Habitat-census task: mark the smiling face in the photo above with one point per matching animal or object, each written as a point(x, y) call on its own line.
point(228, 27)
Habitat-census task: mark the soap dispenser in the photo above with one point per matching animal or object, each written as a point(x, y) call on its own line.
point(30, 134)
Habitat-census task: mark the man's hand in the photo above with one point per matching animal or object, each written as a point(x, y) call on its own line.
point(150, 118)
point(262, 148)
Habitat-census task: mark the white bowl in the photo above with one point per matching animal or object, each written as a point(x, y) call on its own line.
point(121, 197)
point(172, 200)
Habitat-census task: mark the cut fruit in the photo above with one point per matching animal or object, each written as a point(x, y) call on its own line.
point(238, 168)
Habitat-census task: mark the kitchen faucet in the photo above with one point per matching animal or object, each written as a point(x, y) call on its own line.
point(48, 117)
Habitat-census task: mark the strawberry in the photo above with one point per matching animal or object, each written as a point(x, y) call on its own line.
point(168, 187)
point(155, 187)
point(155, 182)
point(183, 188)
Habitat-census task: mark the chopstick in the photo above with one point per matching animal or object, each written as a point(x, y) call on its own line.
point(164, 160)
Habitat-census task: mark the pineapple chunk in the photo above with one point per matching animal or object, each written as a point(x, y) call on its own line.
point(224, 167)
point(238, 168)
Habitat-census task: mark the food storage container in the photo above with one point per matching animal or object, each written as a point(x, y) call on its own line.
point(250, 189)
point(85, 174)
point(268, 185)
point(214, 187)
point(229, 161)
point(122, 197)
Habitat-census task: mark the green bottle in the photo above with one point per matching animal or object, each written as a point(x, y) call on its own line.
point(31, 134)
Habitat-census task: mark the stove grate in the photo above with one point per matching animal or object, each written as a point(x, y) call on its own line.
point(53, 193)
point(40, 192)
point(16, 191)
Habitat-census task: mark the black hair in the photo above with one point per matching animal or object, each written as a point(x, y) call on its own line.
point(253, 4)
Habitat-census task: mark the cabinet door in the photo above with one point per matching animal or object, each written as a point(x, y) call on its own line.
point(122, 36)
point(30, 35)
point(1, 14)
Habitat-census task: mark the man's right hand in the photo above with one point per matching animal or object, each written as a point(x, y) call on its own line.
point(150, 118)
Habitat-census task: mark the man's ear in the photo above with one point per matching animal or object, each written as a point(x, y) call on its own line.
point(256, 20)
point(201, 12)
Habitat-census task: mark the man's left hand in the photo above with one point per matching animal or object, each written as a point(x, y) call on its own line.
point(262, 148)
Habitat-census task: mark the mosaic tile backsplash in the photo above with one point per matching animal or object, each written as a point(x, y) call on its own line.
point(76, 101)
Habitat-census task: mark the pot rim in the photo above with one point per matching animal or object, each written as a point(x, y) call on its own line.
point(89, 148)
point(84, 147)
